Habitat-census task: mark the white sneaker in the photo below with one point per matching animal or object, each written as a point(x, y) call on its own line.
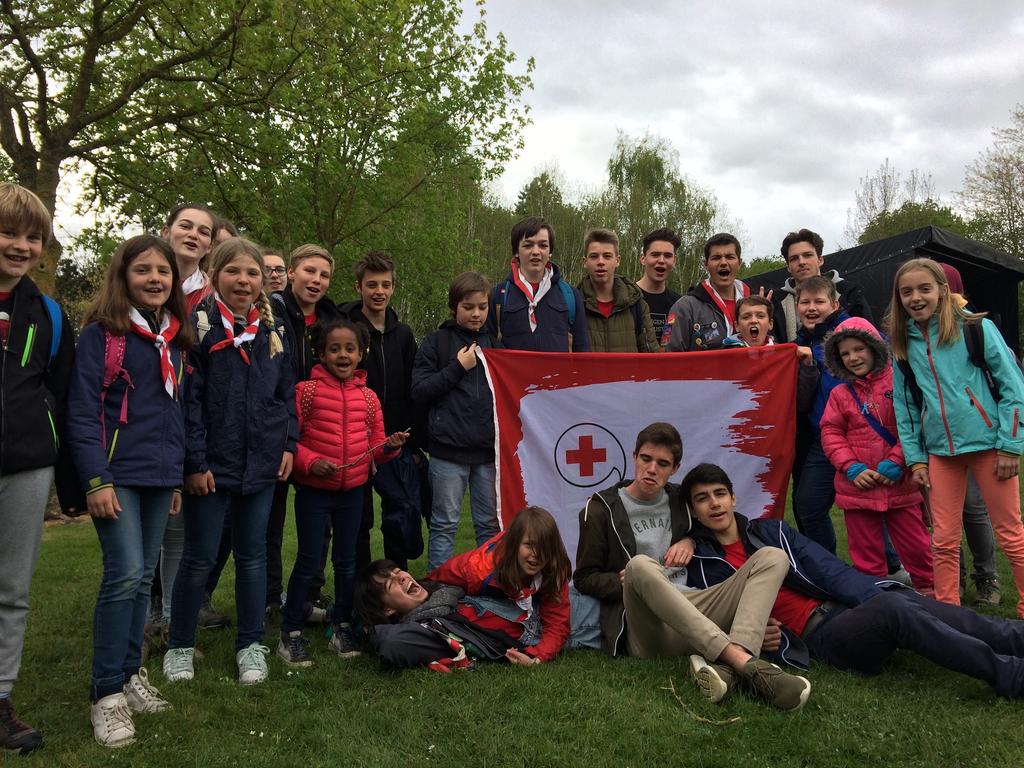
point(252, 664)
point(178, 664)
point(142, 696)
point(112, 721)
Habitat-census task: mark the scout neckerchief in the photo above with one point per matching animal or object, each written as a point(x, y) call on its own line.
point(227, 319)
point(532, 297)
point(169, 327)
point(741, 292)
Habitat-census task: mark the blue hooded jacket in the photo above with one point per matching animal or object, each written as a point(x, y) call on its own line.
point(239, 417)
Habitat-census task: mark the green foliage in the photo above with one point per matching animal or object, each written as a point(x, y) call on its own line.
point(913, 215)
point(761, 264)
point(993, 191)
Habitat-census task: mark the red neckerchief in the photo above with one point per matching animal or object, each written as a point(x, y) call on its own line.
point(741, 292)
point(227, 319)
point(169, 327)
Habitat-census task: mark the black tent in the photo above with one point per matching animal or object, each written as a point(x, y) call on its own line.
point(990, 276)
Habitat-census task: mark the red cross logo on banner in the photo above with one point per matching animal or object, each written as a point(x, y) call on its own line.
point(586, 456)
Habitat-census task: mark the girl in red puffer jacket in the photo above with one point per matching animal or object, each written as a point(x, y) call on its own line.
point(341, 433)
point(858, 434)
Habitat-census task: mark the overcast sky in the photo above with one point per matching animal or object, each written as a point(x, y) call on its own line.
point(778, 108)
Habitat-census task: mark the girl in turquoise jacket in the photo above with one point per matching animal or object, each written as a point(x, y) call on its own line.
point(954, 416)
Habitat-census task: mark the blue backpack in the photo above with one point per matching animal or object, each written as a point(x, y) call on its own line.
point(56, 326)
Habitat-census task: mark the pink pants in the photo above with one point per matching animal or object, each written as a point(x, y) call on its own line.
point(948, 475)
point(909, 537)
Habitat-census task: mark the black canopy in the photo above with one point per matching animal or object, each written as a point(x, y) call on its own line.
point(990, 276)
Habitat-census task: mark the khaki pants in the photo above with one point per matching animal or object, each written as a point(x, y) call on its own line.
point(662, 621)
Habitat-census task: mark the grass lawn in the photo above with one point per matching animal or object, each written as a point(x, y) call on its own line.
point(582, 710)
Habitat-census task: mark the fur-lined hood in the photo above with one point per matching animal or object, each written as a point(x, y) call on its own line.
point(855, 327)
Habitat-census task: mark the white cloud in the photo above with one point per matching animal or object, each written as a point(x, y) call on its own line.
point(779, 108)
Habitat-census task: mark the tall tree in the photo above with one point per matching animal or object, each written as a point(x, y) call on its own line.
point(883, 191)
point(646, 190)
point(912, 215)
point(81, 81)
point(993, 191)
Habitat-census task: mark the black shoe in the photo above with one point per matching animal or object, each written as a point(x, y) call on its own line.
point(209, 618)
point(16, 736)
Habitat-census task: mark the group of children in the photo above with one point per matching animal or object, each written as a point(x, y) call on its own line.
point(256, 383)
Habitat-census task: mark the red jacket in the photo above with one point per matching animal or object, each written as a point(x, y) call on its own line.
point(848, 438)
point(474, 572)
point(333, 417)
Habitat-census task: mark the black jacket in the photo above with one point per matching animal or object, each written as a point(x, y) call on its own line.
point(461, 420)
point(33, 393)
point(388, 365)
point(606, 544)
point(300, 343)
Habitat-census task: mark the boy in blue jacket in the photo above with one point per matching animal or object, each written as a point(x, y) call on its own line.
point(35, 367)
point(838, 615)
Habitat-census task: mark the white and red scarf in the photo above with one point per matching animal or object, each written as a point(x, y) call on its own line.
point(227, 319)
point(169, 327)
point(741, 292)
point(532, 297)
point(194, 282)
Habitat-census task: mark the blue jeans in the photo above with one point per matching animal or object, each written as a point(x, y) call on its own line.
point(449, 481)
point(204, 525)
point(314, 509)
point(813, 498)
point(131, 546)
point(860, 639)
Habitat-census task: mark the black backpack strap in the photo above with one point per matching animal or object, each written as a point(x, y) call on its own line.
point(974, 338)
point(910, 382)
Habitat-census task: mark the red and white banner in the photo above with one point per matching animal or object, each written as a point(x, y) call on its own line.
point(566, 424)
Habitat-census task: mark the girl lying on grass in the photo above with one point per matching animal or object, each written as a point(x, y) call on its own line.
point(509, 598)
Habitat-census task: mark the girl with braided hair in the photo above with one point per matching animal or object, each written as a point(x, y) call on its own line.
point(240, 438)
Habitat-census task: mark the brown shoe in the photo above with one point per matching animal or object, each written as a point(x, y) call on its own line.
point(16, 736)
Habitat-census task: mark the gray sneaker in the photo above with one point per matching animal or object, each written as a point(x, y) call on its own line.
point(987, 591)
point(781, 689)
point(294, 649)
point(344, 641)
point(714, 681)
point(142, 696)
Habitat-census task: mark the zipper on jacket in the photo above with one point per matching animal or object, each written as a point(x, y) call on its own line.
point(978, 405)
point(53, 429)
point(29, 341)
point(1016, 421)
point(113, 445)
point(3, 389)
point(938, 389)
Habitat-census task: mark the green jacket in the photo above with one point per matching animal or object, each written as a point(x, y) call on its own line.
point(628, 329)
point(606, 544)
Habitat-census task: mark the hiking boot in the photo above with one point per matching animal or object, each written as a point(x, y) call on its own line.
point(781, 689)
point(294, 649)
point(714, 681)
point(252, 664)
point(142, 696)
point(16, 736)
point(345, 641)
point(112, 721)
point(987, 591)
point(178, 664)
point(209, 618)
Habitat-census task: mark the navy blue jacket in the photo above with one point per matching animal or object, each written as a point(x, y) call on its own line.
point(300, 343)
point(552, 334)
point(813, 571)
point(33, 392)
point(148, 450)
point(239, 418)
point(461, 421)
point(815, 339)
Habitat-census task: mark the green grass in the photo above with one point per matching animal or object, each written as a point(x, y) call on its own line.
point(582, 710)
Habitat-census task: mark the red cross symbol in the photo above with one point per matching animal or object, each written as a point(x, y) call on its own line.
point(586, 456)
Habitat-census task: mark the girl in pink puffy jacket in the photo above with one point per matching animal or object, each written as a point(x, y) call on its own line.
point(341, 432)
point(858, 433)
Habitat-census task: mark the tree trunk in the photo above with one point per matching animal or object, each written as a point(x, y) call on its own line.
point(47, 179)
